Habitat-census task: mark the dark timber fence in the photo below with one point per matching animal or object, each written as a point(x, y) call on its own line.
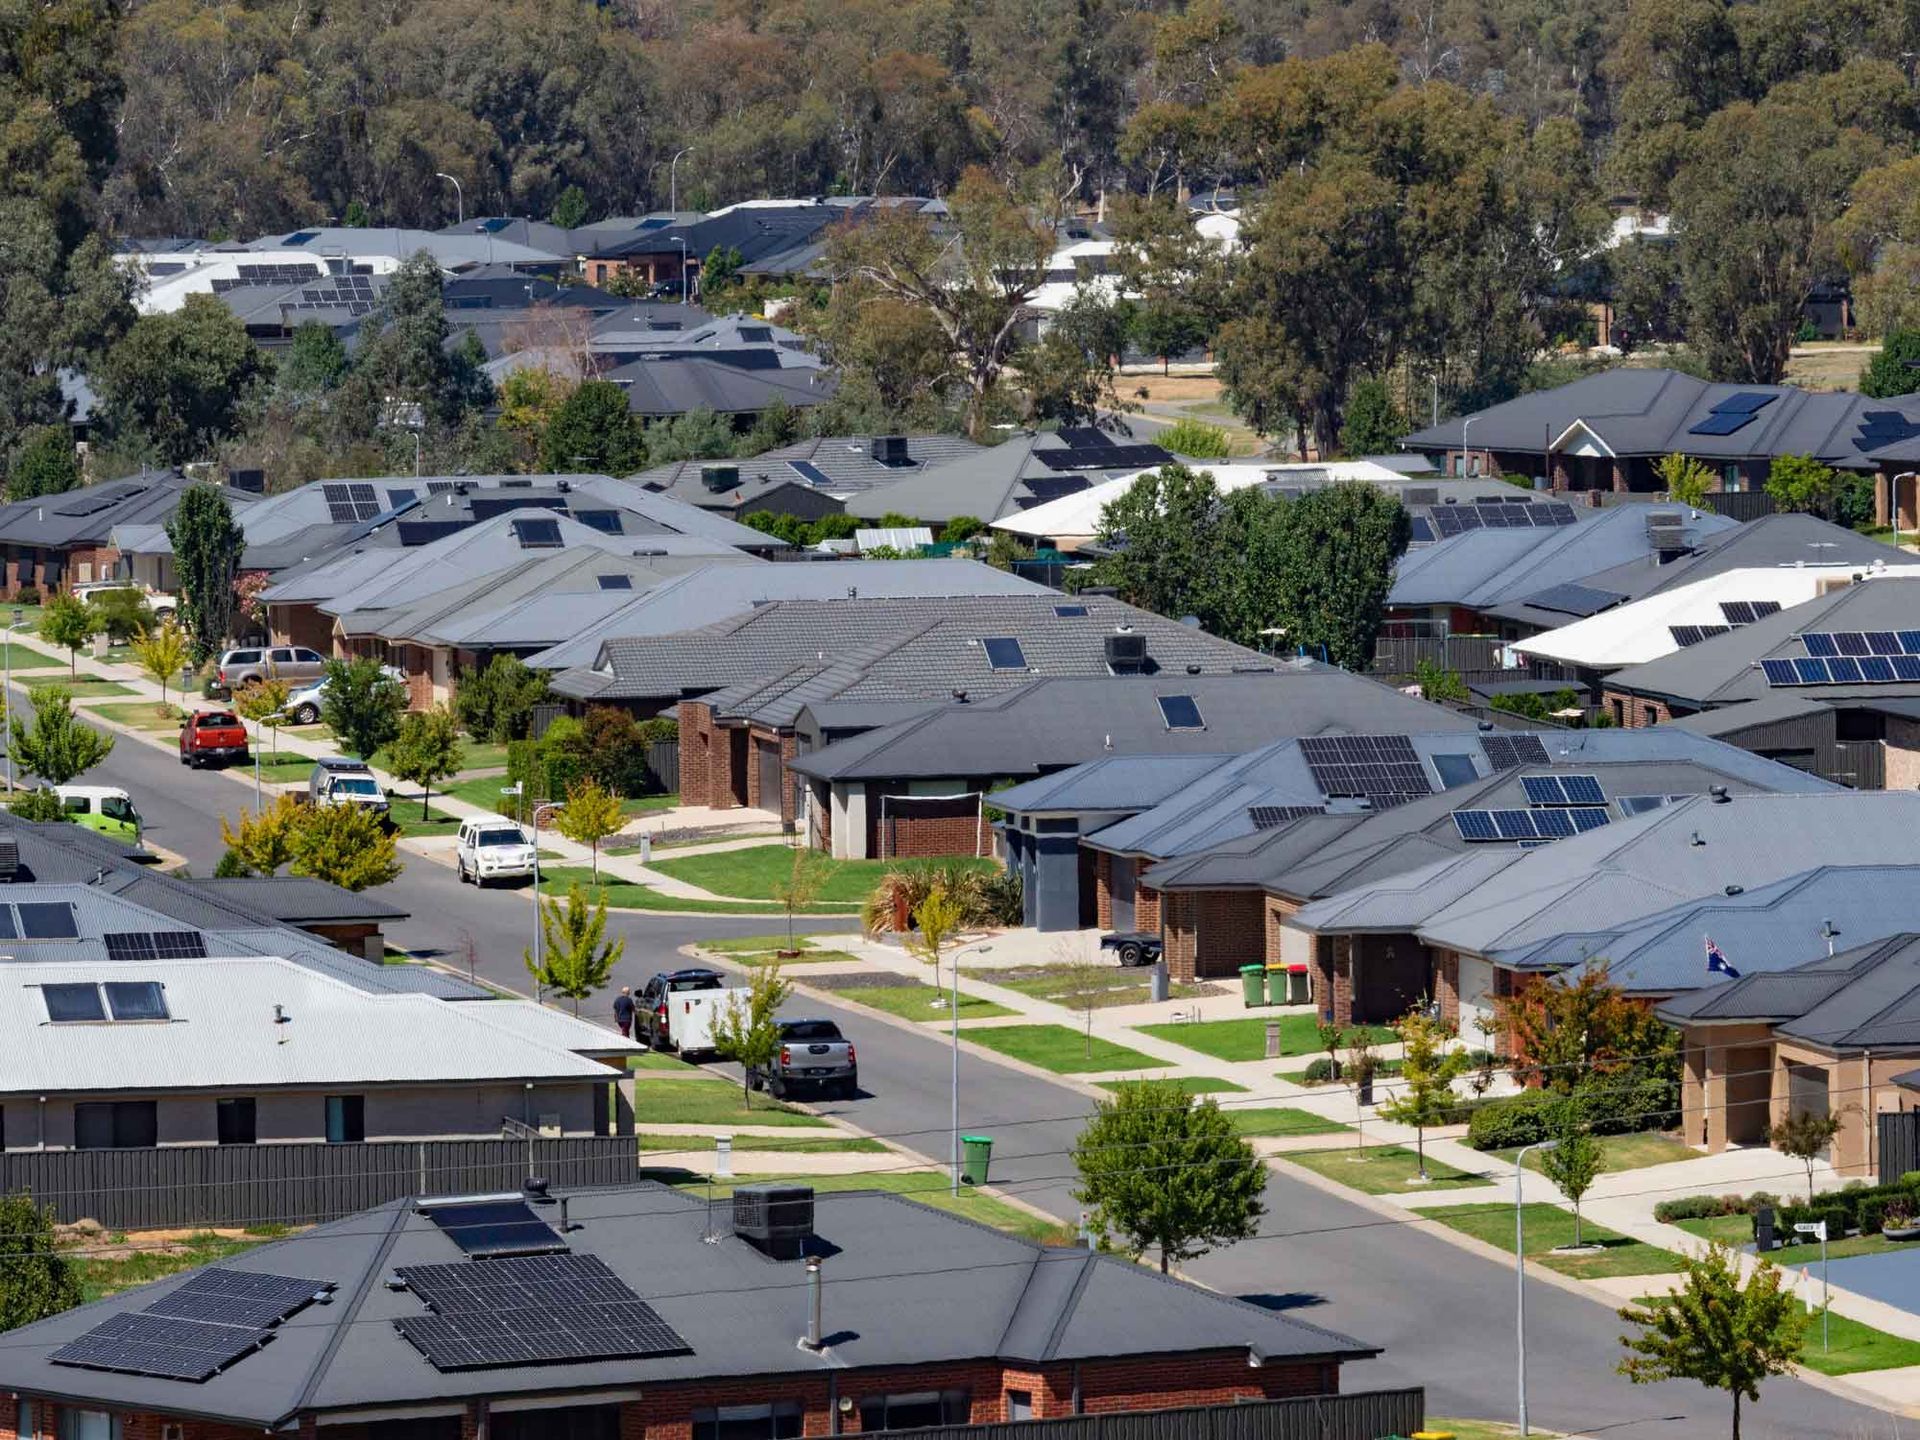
point(180, 1185)
point(1899, 1145)
point(1362, 1415)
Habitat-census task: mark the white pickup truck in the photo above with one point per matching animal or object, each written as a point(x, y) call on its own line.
point(677, 1010)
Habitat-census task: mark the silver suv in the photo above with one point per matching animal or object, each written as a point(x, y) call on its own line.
point(247, 666)
point(339, 781)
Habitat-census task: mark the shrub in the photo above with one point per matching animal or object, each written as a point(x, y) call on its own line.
point(1320, 1071)
point(1707, 1207)
point(27, 595)
point(1512, 1120)
point(497, 703)
point(1869, 1213)
point(1003, 898)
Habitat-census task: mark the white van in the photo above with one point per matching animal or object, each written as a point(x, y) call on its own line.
point(492, 847)
point(105, 808)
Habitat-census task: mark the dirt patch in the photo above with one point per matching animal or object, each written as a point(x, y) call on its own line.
point(865, 980)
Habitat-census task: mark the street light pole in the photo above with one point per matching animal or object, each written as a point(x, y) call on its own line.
point(459, 197)
point(1466, 455)
point(1520, 1265)
point(953, 1020)
point(6, 699)
point(673, 181)
point(517, 789)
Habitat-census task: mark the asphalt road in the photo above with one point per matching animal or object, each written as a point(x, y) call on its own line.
point(1444, 1315)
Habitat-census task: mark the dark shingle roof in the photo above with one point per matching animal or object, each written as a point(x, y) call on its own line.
point(1865, 998)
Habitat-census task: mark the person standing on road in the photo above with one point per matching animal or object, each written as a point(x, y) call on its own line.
point(623, 1011)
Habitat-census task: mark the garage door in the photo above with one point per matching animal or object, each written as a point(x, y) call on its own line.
point(1123, 888)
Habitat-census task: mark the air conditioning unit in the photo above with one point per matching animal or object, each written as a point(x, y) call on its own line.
point(890, 450)
point(1126, 652)
point(719, 477)
point(776, 1220)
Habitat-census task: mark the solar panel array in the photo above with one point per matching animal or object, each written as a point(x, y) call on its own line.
point(1383, 768)
point(94, 499)
point(1884, 427)
point(350, 504)
point(425, 532)
point(1862, 642)
point(156, 945)
point(1421, 530)
point(1480, 826)
point(810, 472)
point(531, 1310)
point(194, 1331)
point(1088, 448)
point(1580, 600)
point(1687, 636)
point(495, 1227)
point(1745, 612)
point(1052, 487)
point(1850, 657)
point(1563, 790)
point(1501, 515)
point(1734, 413)
point(537, 534)
point(267, 275)
point(1271, 817)
point(1506, 751)
point(353, 293)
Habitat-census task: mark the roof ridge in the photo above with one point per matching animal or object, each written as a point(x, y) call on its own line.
point(343, 1326)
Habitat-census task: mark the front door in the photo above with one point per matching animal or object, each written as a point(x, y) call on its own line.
point(769, 758)
point(1123, 891)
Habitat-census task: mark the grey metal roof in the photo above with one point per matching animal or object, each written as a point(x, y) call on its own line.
point(906, 1286)
point(294, 898)
point(90, 514)
point(920, 646)
point(997, 481)
point(678, 384)
point(846, 460)
point(1864, 998)
point(1114, 783)
point(450, 251)
point(714, 593)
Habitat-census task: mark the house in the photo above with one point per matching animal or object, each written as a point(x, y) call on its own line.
point(661, 386)
point(1024, 470)
point(808, 478)
point(53, 542)
point(774, 237)
point(1608, 431)
point(1837, 1035)
point(437, 1318)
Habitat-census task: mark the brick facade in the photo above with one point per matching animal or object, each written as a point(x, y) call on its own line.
point(922, 828)
point(301, 625)
point(1103, 889)
point(1635, 712)
point(1146, 908)
point(1446, 985)
point(1212, 933)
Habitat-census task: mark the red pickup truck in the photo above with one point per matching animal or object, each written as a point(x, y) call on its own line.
point(212, 736)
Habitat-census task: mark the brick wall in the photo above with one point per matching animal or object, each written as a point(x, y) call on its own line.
point(1902, 752)
point(920, 828)
point(301, 625)
point(1446, 984)
point(1103, 889)
point(1277, 912)
point(99, 561)
point(1211, 933)
point(1635, 712)
point(701, 754)
point(1146, 908)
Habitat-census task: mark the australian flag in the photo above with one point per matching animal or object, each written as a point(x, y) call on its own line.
point(1717, 963)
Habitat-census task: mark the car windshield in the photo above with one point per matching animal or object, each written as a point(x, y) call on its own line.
point(511, 835)
point(353, 785)
point(223, 721)
point(114, 808)
point(810, 1030)
point(694, 982)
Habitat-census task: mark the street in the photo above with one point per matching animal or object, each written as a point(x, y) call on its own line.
point(1444, 1315)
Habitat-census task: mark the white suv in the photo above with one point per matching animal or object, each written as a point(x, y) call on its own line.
point(492, 847)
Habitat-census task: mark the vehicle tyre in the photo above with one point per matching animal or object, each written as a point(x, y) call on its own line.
point(306, 714)
point(460, 871)
point(850, 1089)
point(183, 757)
point(755, 1080)
point(776, 1087)
point(1131, 954)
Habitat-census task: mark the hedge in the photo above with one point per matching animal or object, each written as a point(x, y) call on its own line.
point(1606, 1105)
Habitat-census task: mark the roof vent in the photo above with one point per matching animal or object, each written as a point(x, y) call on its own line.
point(534, 1190)
point(1736, 889)
point(1193, 669)
point(1719, 794)
point(777, 1220)
point(959, 697)
point(718, 478)
point(1126, 652)
point(1696, 840)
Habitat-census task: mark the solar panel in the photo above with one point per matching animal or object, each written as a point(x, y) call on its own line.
point(1764, 608)
point(1181, 712)
point(9, 858)
point(156, 945)
point(1583, 789)
point(1843, 670)
point(160, 1345)
point(1543, 789)
point(1475, 825)
point(1506, 751)
point(1910, 641)
point(1575, 599)
point(615, 582)
point(495, 1227)
point(1883, 642)
point(239, 1297)
point(1779, 672)
point(1851, 642)
point(47, 920)
point(1588, 818)
point(1004, 653)
point(1447, 522)
point(1042, 488)
point(1818, 643)
point(1383, 768)
point(439, 487)
point(1719, 424)
point(1553, 824)
point(1747, 402)
point(1515, 824)
point(72, 1004)
point(1085, 437)
point(1455, 770)
point(1737, 612)
point(1421, 530)
point(1810, 672)
point(537, 534)
point(1906, 668)
point(809, 472)
point(607, 522)
point(1270, 817)
point(1877, 670)
point(1687, 636)
point(133, 1000)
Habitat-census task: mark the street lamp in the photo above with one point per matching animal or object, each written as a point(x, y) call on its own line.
point(517, 789)
point(1819, 1227)
point(1466, 455)
point(1520, 1264)
point(6, 698)
point(673, 181)
point(459, 197)
point(681, 241)
point(953, 1009)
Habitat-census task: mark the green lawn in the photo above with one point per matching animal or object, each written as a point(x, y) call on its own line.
point(784, 1144)
point(1845, 1347)
point(1247, 1039)
point(648, 804)
point(659, 1060)
point(473, 756)
point(1281, 1121)
point(626, 895)
point(915, 1002)
point(749, 944)
point(102, 1275)
point(1192, 1084)
point(1734, 1230)
point(407, 821)
point(1055, 983)
point(925, 1187)
point(710, 1102)
point(140, 714)
point(25, 659)
point(1383, 1170)
point(483, 791)
point(1063, 1050)
point(283, 771)
point(1737, 1231)
point(92, 687)
point(1548, 1226)
point(1622, 1152)
point(756, 872)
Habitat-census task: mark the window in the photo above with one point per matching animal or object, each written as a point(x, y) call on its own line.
point(137, 1000)
point(809, 1030)
point(1070, 612)
point(116, 1125)
point(71, 1004)
point(283, 657)
point(43, 920)
point(780, 1420)
point(23, 1421)
point(77, 805)
point(615, 582)
point(1181, 712)
point(118, 807)
point(1649, 715)
point(87, 1425)
point(1004, 653)
point(235, 1120)
point(914, 1412)
point(1019, 1405)
point(308, 657)
point(501, 835)
point(346, 1119)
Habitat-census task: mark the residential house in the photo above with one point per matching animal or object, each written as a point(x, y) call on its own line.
point(808, 478)
point(1024, 470)
point(772, 237)
point(52, 542)
point(416, 1319)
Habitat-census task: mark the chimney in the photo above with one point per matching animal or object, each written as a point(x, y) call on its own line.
point(812, 1341)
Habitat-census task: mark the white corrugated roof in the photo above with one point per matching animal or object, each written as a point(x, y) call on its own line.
point(223, 1033)
point(1642, 631)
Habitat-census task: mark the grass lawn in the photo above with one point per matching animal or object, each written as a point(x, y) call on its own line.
point(1247, 1039)
point(1384, 1170)
point(24, 659)
point(1808, 1251)
point(1734, 1230)
point(140, 714)
point(1484, 1429)
point(92, 687)
point(647, 804)
point(924, 1187)
point(710, 1102)
point(1055, 983)
point(1192, 1084)
point(1623, 1152)
point(659, 1060)
point(755, 872)
point(1548, 1226)
point(1061, 1050)
point(1281, 1120)
point(625, 895)
point(473, 755)
point(483, 791)
point(741, 945)
point(1850, 1345)
point(108, 1274)
point(915, 1002)
point(788, 1144)
point(281, 771)
point(407, 821)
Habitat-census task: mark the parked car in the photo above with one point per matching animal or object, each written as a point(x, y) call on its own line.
point(240, 668)
point(212, 737)
point(304, 705)
point(162, 604)
point(492, 847)
point(105, 808)
point(1136, 947)
point(336, 780)
point(813, 1053)
point(653, 1011)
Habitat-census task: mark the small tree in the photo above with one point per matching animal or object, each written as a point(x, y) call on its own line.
point(41, 805)
point(262, 841)
point(1437, 683)
point(748, 1032)
point(1330, 1036)
point(1427, 1072)
point(1688, 481)
point(122, 613)
point(344, 845)
point(590, 815)
point(1165, 1170)
point(1195, 439)
point(161, 654)
point(1083, 985)
point(1799, 482)
point(1726, 1335)
point(263, 703)
point(577, 958)
point(937, 920)
point(1804, 1136)
point(36, 1280)
point(206, 555)
point(497, 702)
point(67, 623)
point(363, 704)
point(1574, 1160)
point(427, 749)
point(57, 747)
point(801, 887)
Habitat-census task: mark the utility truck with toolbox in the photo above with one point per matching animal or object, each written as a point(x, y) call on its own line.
point(678, 1009)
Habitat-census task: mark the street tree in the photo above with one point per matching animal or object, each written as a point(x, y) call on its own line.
point(1164, 1170)
point(1686, 479)
point(593, 429)
point(121, 613)
point(363, 704)
point(1726, 1335)
point(1428, 1069)
point(1574, 1160)
point(746, 1030)
point(56, 746)
point(68, 624)
point(265, 704)
point(206, 556)
point(591, 814)
point(800, 887)
point(1806, 1135)
point(1570, 1031)
point(161, 654)
point(936, 925)
point(344, 845)
point(44, 464)
point(36, 1279)
point(261, 841)
point(427, 748)
point(576, 957)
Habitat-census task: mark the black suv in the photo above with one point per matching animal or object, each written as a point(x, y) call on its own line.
point(650, 1005)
